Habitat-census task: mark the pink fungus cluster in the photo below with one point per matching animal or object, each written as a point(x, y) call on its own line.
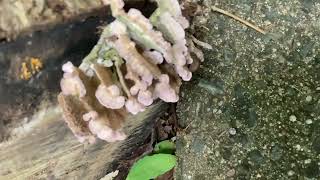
point(136, 61)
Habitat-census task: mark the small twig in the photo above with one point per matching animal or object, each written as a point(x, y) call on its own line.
point(122, 82)
point(238, 19)
point(186, 128)
point(201, 43)
point(204, 27)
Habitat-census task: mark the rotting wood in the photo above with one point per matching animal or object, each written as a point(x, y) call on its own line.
point(47, 149)
point(36, 143)
point(28, 15)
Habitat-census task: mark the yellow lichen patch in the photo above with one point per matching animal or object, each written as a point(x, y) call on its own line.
point(36, 65)
point(25, 73)
point(29, 68)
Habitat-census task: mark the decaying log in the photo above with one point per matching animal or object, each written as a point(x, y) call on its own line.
point(46, 148)
point(35, 143)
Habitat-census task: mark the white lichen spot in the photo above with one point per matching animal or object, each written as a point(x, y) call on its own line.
point(214, 110)
point(309, 98)
point(232, 131)
point(293, 118)
point(290, 173)
point(308, 121)
point(307, 161)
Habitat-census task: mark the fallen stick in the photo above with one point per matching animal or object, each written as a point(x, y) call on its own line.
point(238, 19)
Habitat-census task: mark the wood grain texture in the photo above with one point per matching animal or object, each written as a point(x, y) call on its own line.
point(25, 16)
point(46, 148)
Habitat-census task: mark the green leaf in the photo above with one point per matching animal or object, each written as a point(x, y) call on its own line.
point(150, 167)
point(166, 147)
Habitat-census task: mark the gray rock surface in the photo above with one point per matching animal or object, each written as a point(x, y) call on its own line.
point(253, 108)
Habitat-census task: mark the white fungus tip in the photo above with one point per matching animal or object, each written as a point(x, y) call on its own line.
point(133, 106)
point(110, 96)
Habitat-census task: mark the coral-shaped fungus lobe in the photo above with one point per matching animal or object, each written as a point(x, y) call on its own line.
point(107, 93)
point(71, 84)
point(99, 127)
point(136, 61)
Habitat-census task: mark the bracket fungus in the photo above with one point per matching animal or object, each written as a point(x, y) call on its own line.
point(136, 61)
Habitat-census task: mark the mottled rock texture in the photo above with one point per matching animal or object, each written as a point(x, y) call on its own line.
point(253, 107)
